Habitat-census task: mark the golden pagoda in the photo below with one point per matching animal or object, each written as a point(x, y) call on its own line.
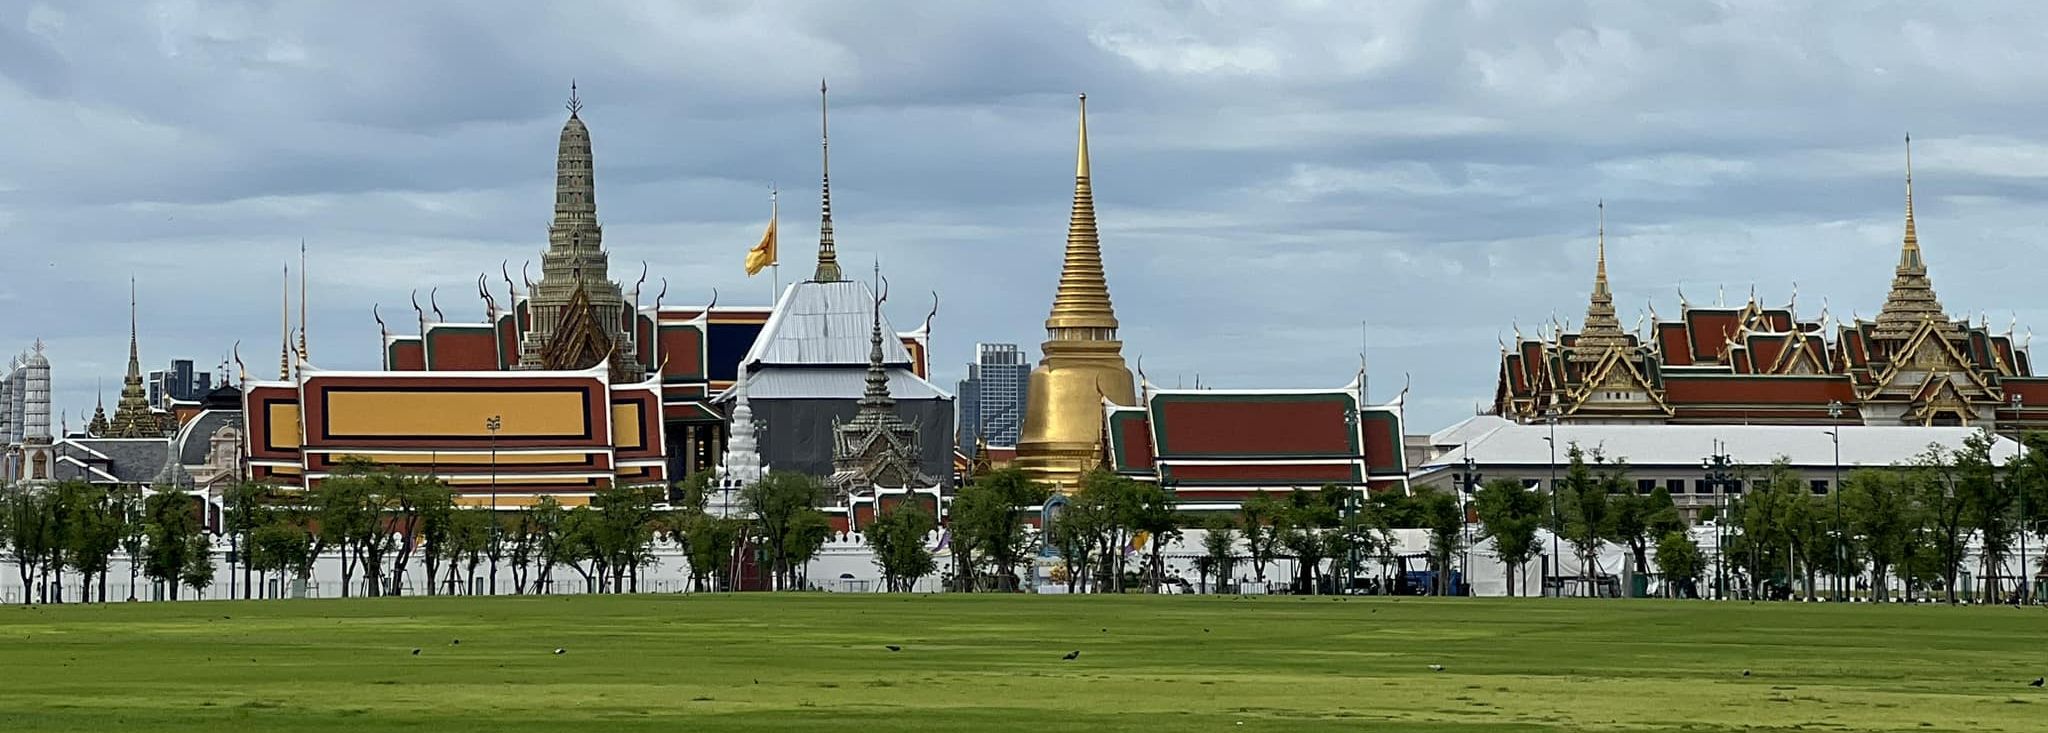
point(1083, 361)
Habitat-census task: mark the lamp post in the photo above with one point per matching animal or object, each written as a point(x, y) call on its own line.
point(1715, 466)
point(1835, 492)
point(1556, 518)
point(1464, 526)
point(492, 424)
point(2018, 436)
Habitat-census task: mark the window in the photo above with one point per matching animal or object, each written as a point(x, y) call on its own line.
point(1700, 486)
point(1646, 485)
point(1674, 486)
point(1820, 486)
point(1735, 486)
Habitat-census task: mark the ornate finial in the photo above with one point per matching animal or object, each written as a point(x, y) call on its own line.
point(434, 303)
point(284, 324)
point(575, 102)
point(1081, 156)
point(39, 345)
point(1602, 331)
point(828, 255)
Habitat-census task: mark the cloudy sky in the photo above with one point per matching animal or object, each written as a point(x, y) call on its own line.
point(1276, 180)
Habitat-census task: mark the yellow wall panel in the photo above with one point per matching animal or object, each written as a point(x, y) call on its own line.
point(283, 425)
point(403, 413)
point(626, 425)
point(466, 459)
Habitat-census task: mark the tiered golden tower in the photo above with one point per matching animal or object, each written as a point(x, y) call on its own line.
point(1083, 361)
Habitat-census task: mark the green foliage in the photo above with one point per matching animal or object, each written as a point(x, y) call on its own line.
point(1509, 515)
point(1584, 508)
point(1680, 561)
point(897, 539)
point(1259, 520)
point(988, 520)
point(783, 506)
point(175, 542)
point(1219, 548)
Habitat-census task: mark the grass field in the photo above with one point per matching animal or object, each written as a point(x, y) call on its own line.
point(992, 663)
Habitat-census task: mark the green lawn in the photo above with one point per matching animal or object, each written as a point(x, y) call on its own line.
point(991, 663)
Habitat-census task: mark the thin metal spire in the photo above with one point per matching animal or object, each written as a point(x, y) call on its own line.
point(303, 352)
point(828, 256)
point(575, 101)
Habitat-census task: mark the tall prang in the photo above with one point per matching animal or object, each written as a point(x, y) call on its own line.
point(1083, 363)
point(1603, 330)
point(38, 459)
point(1911, 301)
point(579, 314)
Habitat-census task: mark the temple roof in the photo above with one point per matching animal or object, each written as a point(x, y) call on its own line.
point(1686, 445)
point(822, 324)
point(834, 383)
point(111, 460)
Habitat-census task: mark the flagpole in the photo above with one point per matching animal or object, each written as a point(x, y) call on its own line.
point(775, 277)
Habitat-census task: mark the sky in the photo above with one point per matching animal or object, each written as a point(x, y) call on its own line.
point(1279, 183)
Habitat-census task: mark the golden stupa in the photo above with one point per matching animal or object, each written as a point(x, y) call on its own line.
point(1083, 361)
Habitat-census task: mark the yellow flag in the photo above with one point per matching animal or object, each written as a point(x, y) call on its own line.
point(763, 254)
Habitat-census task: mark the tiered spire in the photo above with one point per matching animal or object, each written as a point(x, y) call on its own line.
point(1081, 310)
point(876, 398)
point(1912, 300)
point(132, 416)
point(742, 463)
point(97, 427)
point(828, 255)
point(1602, 330)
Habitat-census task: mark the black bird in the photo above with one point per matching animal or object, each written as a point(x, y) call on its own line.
point(559, 650)
point(1745, 673)
point(454, 642)
point(415, 652)
point(893, 648)
point(1205, 631)
point(1105, 630)
point(2038, 681)
point(1070, 656)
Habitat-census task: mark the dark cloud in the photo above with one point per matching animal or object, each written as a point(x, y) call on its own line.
point(1276, 181)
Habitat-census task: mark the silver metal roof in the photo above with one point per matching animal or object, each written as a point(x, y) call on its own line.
point(824, 323)
point(791, 383)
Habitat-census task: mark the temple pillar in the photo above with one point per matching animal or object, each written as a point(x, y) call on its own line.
point(689, 450)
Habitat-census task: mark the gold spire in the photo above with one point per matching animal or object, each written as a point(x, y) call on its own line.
point(828, 256)
point(132, 417)
point(1602, 331)
point(284, 326)
point(1083, 364)
point(1912, 300)
point(303, 353)
point(1081, 310)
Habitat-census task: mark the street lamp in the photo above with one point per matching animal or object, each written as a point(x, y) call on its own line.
point(1464, 526)
point(2018, 436)
point(1556, 518)
point(1835, 489)
point(1716, 468)
point(493, 424)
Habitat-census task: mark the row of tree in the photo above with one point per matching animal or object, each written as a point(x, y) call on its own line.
point(80, 527)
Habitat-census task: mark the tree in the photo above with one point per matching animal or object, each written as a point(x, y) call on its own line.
point(1878, 506)
point(1219, 547)
point(521, 543)
point(989, 517)
point(279, 547)
point(1990, 502)
point(1076, 528)
point(433, 516)
point(783, 506)
point(1640, 520)
point(1940, 474)
point(420, 502)
point(469, 532)
point(198, 571)
point(246, 507)
point(1153, 514)
point(625, 532)
point(549, 548)
point(1584, 505)
point(1302, 525)
point(1509, 515)
point(30, 531)
point(97, 522)
point(1257, 517)
point(897, 538)
point(171, 547)
point(1446, 529)
point(1680, 561)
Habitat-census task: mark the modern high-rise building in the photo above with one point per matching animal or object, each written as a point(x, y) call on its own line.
point(179, 382)
point(992, 396)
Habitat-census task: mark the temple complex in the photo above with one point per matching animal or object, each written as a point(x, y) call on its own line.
point(1083, 364)
point(1758, 364)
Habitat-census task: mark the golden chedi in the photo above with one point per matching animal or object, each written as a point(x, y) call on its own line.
point(1083, 361)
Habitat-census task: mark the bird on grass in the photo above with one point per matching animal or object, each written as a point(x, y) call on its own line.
point(415, 652)
point(1073, 655)
point(2038, 681)
point(559, 650)
point(453, 642)
point(893, 648)
point(1436, 668)
point(1745, 673)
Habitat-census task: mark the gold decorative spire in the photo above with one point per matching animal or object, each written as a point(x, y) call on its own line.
point(1912, 300)
point(284, 323)
point(303, 353)
point(1081, 310)
point(132, 417)
point(1602, 330)
point(828, 255)
point(1083, 364)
